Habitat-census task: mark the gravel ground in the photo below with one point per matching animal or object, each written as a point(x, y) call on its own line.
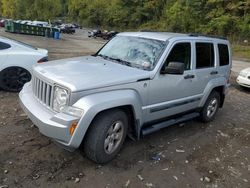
point(192, 154)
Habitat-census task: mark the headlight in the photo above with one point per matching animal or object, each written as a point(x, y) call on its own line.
point(61, 97)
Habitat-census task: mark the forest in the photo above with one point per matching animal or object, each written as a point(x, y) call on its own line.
point(230, 18)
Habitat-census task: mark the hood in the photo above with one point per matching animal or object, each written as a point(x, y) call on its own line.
point(247, 70)
point(85, 73)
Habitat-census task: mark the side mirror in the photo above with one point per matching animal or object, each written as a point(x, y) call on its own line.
point(174, 68)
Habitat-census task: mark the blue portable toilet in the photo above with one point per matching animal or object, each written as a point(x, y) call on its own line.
point(57, 35)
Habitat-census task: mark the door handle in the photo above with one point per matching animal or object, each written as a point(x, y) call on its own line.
point(214, 72)
point(189, 76)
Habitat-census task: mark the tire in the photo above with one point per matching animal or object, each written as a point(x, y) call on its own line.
point(101, 144)
point(13, 78)
point(211, 107)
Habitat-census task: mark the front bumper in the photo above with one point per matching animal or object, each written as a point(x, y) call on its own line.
point(243, 81)
point(50, 124)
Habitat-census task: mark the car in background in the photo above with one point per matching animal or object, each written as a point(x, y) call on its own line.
point(244, 78)
point(106, 35)
point(76, 26)
point(2, 23)
point(16, 61)
point(95, 33)
point(109, 35)
point(67, 29)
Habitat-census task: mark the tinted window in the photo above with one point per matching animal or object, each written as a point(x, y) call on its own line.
point(180, 53)
point(223, 54)
point(4, 46)
point(204, 55)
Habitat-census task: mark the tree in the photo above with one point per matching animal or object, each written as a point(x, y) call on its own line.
point(219, 17)
point(9, 8)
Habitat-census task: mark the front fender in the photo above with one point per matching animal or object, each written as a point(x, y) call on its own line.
point(95, 103)
point(221, 81)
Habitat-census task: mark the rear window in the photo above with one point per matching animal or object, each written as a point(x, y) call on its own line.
point(20, 43)
point(4, 46)
point(223, 54)
point(24, 44)
point(204, 55)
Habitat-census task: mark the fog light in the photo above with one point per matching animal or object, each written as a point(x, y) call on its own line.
point(72, 128)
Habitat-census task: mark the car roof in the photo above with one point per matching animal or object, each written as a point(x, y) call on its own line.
point(164, 36)
point(152, 35)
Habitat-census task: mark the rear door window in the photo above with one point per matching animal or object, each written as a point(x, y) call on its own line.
point(4, 46)
point(204, 55)
point(223, 54)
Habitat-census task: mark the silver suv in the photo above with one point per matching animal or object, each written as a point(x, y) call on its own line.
point(138, 83)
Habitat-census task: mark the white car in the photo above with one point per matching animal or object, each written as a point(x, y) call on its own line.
point(244, 78)
point(16, 61)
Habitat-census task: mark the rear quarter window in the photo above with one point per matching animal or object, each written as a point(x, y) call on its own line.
point(223, 54)
point(4, 46)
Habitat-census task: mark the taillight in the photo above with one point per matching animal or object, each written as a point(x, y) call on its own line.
point(44, 59)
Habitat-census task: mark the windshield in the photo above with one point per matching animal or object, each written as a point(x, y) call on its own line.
point(136, 52)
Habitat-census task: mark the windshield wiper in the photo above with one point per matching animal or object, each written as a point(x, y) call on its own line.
point(103, 56)
point(123, 62)
point(115, 59)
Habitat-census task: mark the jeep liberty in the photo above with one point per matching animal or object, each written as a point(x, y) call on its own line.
point(138, 83)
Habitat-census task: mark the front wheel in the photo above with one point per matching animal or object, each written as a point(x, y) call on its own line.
point(13, 78)
point(106, 136)
point(211, 107)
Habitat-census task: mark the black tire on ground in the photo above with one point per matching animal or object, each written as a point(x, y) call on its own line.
point(211, 107)
point(106, 136)
point(13, 78)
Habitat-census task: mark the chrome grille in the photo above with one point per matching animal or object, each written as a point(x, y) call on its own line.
point(42, 91)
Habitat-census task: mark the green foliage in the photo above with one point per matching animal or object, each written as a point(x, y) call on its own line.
point(241, 51)
point(31, 9)
point(218, 17)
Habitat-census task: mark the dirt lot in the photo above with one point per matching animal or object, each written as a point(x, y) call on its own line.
point(192, 154)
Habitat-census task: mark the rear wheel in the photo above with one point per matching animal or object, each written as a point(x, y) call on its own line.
point(13, 78)
point(106, 136)
point(211, 107)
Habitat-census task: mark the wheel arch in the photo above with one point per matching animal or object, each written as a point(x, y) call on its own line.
point(15, 66)
point(129, 111)
point(219, 85)
point(125, 100)
point(221, 91)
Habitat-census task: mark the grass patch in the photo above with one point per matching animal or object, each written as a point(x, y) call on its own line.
point(242, 52)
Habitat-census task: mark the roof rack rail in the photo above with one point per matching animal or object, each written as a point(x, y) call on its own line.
point(210, 36)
